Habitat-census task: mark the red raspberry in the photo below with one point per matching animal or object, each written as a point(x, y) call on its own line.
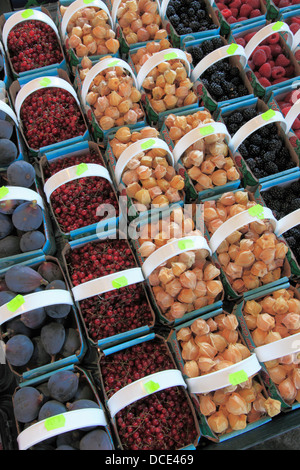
point(251, 64)
point(257, 74)
point(235, 4)
point(276, 49)
point(265, 70)
point(248, 36)
point(226, 13)
point(273, 38)
point(243, 18)
point(295, 2)
point(235, 12)
point(297, 132)
point(221, 6)
point(254, 3)
point(284, 3)
point(278, 72)
point(282, 61)
point(259, 57)
point(267, 50)
point(241, 41)
point(297, 54)
point(296, 125)
point(286, 109)
point(293, 96)
point(289, 71)
point(246, 10)
point(264, 82)
point(231, 20)
point(279, 80)
point(294, 27)
point(255, 13)
point(296, 19)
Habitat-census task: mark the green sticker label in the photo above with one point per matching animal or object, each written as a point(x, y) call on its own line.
point(15, 303)
point(148, 144)
point(88, 1)
point(238, 377)
point(257, 211)
point(120, 282)
point(206, 130)
point(55, 422)
point(45, 82)
point(114, 63)
point(151, 386)
point(82, 168)
point(232, 48)
point(268, 115)
point(277, 26)
point(27, 14)
point(170, 56)
point(186, 244)
point(3, 191)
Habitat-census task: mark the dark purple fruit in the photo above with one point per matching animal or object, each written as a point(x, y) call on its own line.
point(6, 226)
point(8, 152)
point(65, 447)
point(51, 408)
point(6, 297)
point(19, 350)
point(6, 129)
point(10, 246)
point(8, 207)
point(53, 337)
point(27, 403)
point(35, 318)
point(32, 241)
point(82, 404)
point(17, 327)
point(50, 271)
point(39, 357)
point(21, 173)
point(63, 385)
point(96, 440)
point(28, 216)
point(72, 343)
point(23, 279)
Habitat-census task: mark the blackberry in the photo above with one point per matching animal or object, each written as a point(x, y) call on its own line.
point(201, 14)
point(276, 193)
point(234, 72)
point(259, 163)
point(236, 117)
point(270, 156)
point(256, 139)
point(257, 173)
point(216, 90)
point(207, 47)
point(170, 10)
point(217, 77)
point(264, 132)
point(249, 113)
point(251, 163)
point(175, 20)
point(295, 187)
point(271, 168)
point(242, 90)
point(217, 42)
point(243, 151)
point(194, 26)
point(253, 150)
point(290, 165)
point(233, 128)
point(275, 143)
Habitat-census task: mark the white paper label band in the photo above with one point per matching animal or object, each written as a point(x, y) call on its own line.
point(79, 5)
point(159, 57)
point(143, 387)
point(200, 132)
point(100, 67)
point(25, 15)
point(36, 300)
point(254, 124)
point(174, 248)
point(56, 425)
point(41, 83)
point(7, 110)
point(281, 348)
point(72, 173)
point(217, 55)
point(289, 221)
point(292, 114)
point(224, 377)
point(22, 194)
point(235, 223)
point(137, 148)
point(107, 283)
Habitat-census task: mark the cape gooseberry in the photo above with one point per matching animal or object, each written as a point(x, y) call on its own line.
point(23, 279)
point(28, 216)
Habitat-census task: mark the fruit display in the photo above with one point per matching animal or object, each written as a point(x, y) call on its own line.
point(89, 31)
point(161, 420)
point(285, 3)
point(66, 391)
point(270, 319)
point(149, 178)
point(11, 142)
point(209, 346)
point(112, 310)
point(46, 330)
point(237, 11)
point(251, 256)
point(139, 21)
point(32, 45)
point(285, 103)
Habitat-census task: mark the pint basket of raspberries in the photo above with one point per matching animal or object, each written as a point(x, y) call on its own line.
point(146, 396)
point(49, 112)
point(237, 13)
point(222, 375)
point(270, 326)
point(32, 42)
point(109, 289)
point(79, 190)
point(87, 31)
point(61, 411)
point(40, 327)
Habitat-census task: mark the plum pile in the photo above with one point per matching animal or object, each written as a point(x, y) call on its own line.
point(64, 391)
point(42, 335)
point(264, 150)
point(163, 420)
point(117, 311)
point(21, 222)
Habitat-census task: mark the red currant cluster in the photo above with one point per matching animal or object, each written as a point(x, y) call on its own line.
point(163, 420)
point(32, 45)
point(51, 115)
